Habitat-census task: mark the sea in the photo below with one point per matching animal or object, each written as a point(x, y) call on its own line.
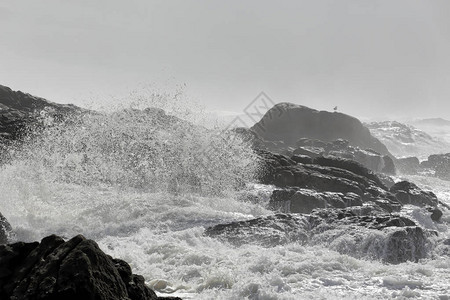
point(145, 185)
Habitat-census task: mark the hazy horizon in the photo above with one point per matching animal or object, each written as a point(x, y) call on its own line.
point(372, 59)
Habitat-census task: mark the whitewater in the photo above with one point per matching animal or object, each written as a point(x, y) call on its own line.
point(145, 185)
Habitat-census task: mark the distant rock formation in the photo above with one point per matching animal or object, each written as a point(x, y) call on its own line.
point(289, 122)
point(405, 140)
point(76, 269)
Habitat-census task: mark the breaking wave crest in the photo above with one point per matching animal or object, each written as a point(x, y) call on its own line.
point(139, 149)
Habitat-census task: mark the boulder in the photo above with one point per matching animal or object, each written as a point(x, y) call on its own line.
point(306, 200)
point(5, 230)
point(409, 193)
point(326, 182)
point(268, 231)
point(290, 122)
point(389, 165)
point(408, 165)
point(349, 165)
point(440, 164)
point(357, 232)
point(76, 269)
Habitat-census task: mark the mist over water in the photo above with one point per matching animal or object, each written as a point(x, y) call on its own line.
point(145, 185)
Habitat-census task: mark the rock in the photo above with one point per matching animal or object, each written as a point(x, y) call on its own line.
point(326, 182)
point(303, 159)
point(405, 140)
point(399, 239)
point(309, 151)
point(386, 180)
point(18, 109)
point(311, 143)
point(436, 213)
point(407, 244)
point(76, 269)
point(440, 164)
point(389, 165)
point(290, 122)
point(357, 232)
point(409, 193)
point(5, 230)
point(348, 165)
point(266, 231)
point(306, 200)
point(408, 165)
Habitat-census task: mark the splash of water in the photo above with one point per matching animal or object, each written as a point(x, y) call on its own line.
point(141, 149)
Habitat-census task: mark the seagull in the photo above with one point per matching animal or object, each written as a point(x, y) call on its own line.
point(335, 108)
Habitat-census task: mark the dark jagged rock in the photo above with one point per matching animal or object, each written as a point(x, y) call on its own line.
point(409, 193)
point(18, 110)
point(20, 101)
point(327, 182)
point(296, 122)
point(76, 269)
point(267, 231)
point(440, 164)
point(348, 165)
point(397, 239)
point(5, 230)
point(436, 213)
point(389, 165)
point(408, 165)
point(306, 200)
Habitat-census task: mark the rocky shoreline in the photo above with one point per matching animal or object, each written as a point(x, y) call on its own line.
point(331, 184)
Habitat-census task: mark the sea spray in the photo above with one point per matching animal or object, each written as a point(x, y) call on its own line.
point(132, 148)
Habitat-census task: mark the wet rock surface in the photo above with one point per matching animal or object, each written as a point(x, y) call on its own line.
point(19, 110)
point(5, 230)
point(358, 231)
point(327, 182)
point(76, 269)
point(409, 193)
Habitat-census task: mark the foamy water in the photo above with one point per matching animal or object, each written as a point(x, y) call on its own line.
point(100, 190)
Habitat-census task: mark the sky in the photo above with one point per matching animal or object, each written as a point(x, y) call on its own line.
point(380, 59)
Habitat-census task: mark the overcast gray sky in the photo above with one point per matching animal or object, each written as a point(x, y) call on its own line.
point(387, 58)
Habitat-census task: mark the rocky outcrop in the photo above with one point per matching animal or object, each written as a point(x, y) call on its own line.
point(5, 230)
point(19, 110)
point(278, 229)
point(76, 269)
point(406, 140)
point(439, 164)
point(352, 231)
point(409, 193)
point(331, 182)
point(408, 165)
point(289, 122)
